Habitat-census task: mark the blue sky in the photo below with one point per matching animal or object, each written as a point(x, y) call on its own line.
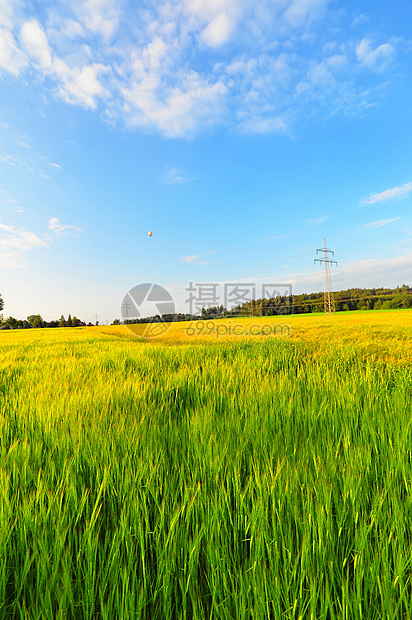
point(240, 132)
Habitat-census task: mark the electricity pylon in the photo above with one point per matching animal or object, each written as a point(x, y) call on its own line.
point(126, 306)
point(328, 303)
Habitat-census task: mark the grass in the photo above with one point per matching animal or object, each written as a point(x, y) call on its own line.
point(208, 478)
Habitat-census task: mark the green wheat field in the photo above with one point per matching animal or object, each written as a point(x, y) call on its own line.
point(254, 478)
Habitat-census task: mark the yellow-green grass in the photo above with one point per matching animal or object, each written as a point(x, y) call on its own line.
point(190, 476)
point(383, 334)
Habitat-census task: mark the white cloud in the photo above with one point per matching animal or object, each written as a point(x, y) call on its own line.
point(100, 16)
point(380, 271)
point(181, 67)
point(6, 13)
point(320, 75)
point(53, 165)
point(215, 20)
point(58, 228)
point(304, 12)
point(381, 223)
point(11, 58)
point(35, 41)
point(359, 20)
point(176, 111)
point(15, 242)
point(34, 164)
point(389, 194)
point(72, 29)
point(78, 84)
point(190, 259)
point(12, 238)
point(265, 125)
point(175, 176)
point(365, 273)
point(337, 61)
point(195, 259)
point(218, 31)
point(376, 59)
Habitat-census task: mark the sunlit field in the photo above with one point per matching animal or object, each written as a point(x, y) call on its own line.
point(203, 474)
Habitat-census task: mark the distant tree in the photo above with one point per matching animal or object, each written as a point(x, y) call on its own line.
point(1, 303)
point(397, 301)
point(10, 322)
point(35, 320)
point(69, 321)
point(52, 324)
point(62, 321)
point(75, 321)
point(116, 322)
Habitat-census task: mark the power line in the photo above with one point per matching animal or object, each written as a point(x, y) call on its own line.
point(127, 307)
point(308, 302)
point(328, 302)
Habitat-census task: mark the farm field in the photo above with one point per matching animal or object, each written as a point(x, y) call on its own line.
point(207, 475)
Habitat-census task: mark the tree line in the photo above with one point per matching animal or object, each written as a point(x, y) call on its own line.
point(346, 300)
point(36, 321)
point(306, 303)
